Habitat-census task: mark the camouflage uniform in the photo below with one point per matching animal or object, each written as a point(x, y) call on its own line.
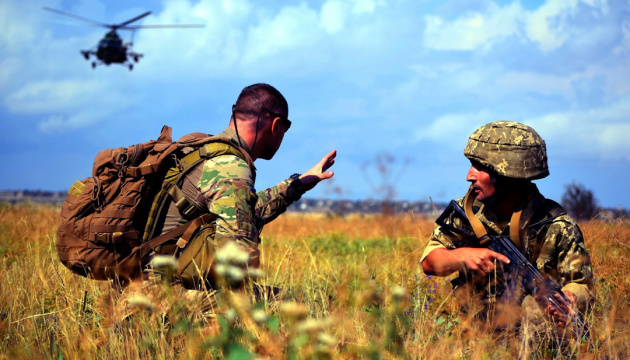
point(551, 239)
point(554, 244)
point(225, 185)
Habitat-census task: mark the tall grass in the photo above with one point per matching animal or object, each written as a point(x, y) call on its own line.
point(352, 288)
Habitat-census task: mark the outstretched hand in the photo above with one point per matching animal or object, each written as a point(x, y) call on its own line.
point(318, 172)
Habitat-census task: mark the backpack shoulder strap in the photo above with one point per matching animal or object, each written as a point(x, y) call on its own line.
point(222, 146)
point(210, 150)
point(188, 207)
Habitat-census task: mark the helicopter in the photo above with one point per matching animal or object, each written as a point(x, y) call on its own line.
point(111, 49)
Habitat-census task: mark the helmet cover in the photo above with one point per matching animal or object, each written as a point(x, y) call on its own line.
point(509, 148)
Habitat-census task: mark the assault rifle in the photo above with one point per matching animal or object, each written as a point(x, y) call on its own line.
point(545, 290)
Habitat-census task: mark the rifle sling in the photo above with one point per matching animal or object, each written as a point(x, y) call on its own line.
point(480, 230)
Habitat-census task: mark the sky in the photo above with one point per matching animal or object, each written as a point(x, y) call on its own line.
point(396, 87)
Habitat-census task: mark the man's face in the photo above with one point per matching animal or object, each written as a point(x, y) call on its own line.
point(275, 140)
point(481, 181)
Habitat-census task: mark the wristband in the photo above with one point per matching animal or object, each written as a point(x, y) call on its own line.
point(297, 184)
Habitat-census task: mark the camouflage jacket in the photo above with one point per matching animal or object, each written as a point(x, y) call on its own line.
point(553, 243)
point(225, 185)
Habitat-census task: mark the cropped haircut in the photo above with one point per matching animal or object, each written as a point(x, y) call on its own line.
point(254, 98)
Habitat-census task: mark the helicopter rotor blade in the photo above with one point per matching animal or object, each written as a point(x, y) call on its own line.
point(93, 22)
point(181, 26)
point(121, 25)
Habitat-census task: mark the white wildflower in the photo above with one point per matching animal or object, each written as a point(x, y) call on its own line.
point(220, 269)
point(313, 326)
point(294, 310)
point(230, 315)
point(255, 273)
point(231, 253)
point(326, 339)
point(260, 316)
point(140, 302)
point(398, 292)
point(164, 263)
point(235, 274)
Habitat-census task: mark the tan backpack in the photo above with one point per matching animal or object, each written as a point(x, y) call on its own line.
point(110, 222)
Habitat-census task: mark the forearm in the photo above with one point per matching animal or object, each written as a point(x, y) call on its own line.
point(274, 201)
point(442, 262)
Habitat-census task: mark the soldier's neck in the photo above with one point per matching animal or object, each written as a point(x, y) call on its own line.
point(510, 199)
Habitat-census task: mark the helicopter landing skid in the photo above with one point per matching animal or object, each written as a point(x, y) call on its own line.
point(86, 54)
point(129, 65)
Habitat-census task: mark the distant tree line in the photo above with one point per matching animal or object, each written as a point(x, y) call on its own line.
point(582, 205)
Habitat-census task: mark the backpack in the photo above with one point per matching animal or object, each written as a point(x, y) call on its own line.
point(110, 222)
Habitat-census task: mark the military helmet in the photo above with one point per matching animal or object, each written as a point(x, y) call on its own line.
point(509, 148)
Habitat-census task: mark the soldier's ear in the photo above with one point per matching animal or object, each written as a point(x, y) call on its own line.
point(277, 126)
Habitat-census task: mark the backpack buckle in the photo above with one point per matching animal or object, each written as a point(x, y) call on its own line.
point(190, 211)
point(122, 159)
point(178, 162)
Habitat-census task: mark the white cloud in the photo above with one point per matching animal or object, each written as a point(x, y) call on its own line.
point(16, 31)
point(36, 97)
point(538, 83)
point(453, 126)
point(366, 6)
point(600, 132)
point(75, 121)
point(624, 46)
point(333, 16)
point(547, 24)
point(293, 27)
point(86, 102)
point(472, 30)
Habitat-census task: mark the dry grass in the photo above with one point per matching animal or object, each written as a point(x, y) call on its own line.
point(341, 281)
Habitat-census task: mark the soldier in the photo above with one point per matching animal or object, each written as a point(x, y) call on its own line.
point(506, 156)
point(224, 184)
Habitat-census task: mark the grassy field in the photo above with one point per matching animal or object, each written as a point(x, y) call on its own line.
point(352, 288)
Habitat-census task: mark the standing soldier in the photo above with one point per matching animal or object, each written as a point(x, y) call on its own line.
point(506, 156)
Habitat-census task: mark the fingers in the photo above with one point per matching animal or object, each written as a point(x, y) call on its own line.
point(570, 296)
point(556, 315)
point(327, 175)
point(488, 259)
point(504, 259)
point(328, 160)
point(482, 265)
point(318, 172)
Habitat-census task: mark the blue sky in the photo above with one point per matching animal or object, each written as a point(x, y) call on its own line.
point(403, 80)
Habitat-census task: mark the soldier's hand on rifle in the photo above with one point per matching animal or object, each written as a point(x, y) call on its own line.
point(480, 260)
point(555, 314)
point(443, 262)
point(318, 172)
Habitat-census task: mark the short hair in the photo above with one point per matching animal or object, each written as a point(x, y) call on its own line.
point(254, 98)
